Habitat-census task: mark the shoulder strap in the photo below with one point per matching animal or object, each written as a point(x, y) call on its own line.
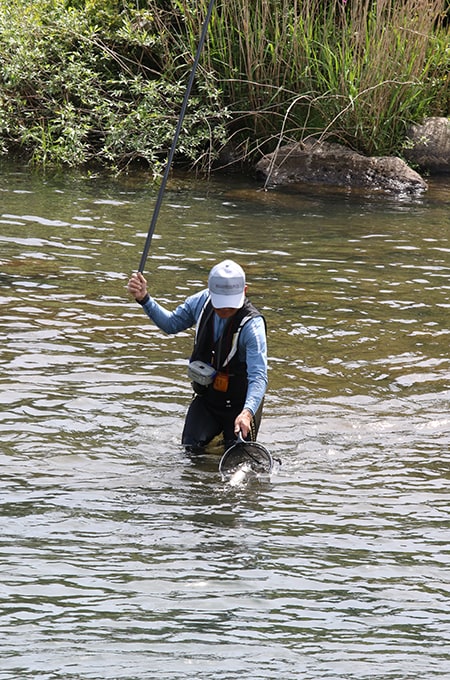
point(201, 322)
point(235, 340)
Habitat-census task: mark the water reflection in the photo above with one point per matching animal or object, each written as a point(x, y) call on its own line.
point(123, 559)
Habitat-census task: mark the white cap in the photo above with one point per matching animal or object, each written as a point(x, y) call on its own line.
point(226, 283)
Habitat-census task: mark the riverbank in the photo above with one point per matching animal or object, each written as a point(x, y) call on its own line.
point(83, 83)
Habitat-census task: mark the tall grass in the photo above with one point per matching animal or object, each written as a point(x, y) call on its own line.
point(359, 72)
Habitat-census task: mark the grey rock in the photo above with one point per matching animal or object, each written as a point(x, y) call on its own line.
point(428, 146)
point(316, 162)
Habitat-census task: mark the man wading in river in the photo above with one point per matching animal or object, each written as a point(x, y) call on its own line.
point(228, 366)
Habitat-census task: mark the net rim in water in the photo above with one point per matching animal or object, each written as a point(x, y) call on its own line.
point(256, 456)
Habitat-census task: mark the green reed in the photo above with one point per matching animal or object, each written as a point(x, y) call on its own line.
point(358, 72)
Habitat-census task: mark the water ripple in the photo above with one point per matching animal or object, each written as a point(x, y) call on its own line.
point(123, 559)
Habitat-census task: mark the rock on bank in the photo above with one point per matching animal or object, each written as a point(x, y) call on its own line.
point(428, 146)
point(316, 162)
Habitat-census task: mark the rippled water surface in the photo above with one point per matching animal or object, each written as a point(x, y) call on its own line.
point(123, 559)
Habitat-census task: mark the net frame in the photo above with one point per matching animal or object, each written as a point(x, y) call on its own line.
point(256, 456)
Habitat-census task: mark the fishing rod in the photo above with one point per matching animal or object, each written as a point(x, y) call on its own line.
point(175, 139)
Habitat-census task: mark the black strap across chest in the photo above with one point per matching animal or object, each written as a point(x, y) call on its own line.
point(223, 352)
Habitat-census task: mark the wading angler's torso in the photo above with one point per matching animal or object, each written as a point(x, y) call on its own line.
point(229, 387)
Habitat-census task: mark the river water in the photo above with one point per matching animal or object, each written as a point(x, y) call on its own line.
point(123, 559)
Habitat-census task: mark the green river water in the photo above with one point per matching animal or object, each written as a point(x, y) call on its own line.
point(121, 559)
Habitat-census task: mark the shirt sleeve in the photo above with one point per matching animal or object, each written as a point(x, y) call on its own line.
point(253, 348)
point(184, 316)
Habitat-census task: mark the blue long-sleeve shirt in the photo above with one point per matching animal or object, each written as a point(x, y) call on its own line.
point(252, 346)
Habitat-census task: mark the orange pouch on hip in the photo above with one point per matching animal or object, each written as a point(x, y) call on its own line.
point(221, 382)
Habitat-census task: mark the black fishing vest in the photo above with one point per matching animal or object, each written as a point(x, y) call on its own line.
point(223, 354)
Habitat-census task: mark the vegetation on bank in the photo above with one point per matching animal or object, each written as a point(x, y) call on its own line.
point(102, 81)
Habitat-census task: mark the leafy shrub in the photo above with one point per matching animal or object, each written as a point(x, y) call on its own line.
point(80, 82)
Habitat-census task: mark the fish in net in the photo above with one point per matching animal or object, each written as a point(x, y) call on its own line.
point(246, 456)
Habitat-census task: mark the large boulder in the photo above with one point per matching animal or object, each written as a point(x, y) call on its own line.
point(428, 145)
point(316, 162)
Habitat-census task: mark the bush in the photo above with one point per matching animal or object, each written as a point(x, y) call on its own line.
point(80, 82)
